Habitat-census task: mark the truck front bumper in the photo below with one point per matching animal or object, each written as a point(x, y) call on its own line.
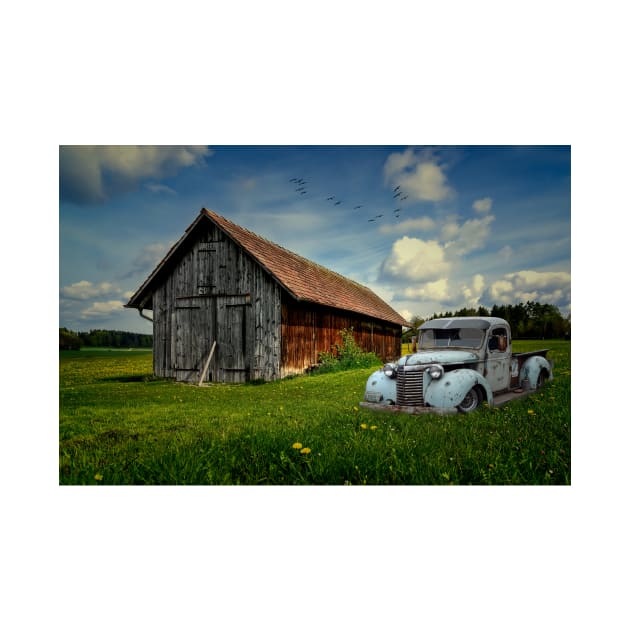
point(440, 411)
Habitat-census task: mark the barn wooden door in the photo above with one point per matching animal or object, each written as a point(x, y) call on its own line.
point(195, 322)
point(233, 339)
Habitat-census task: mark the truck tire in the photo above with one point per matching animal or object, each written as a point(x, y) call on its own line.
point(471, 401)
point(542, 379)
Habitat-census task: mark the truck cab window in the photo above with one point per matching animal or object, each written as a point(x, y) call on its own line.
point(498, 341)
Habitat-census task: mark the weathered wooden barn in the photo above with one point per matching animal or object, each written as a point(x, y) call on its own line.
point(270, 311)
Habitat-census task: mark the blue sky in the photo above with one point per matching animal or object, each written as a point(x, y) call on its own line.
point(427, 228)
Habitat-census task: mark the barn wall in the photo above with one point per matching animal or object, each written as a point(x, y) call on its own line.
point(308, 329)
point(215, 291)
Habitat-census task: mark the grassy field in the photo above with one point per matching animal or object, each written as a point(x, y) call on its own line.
point(120, 425)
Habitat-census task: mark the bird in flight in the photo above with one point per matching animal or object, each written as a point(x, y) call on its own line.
point(330, 198)
point(337, 203)
point(397, 187)
point(357, 207)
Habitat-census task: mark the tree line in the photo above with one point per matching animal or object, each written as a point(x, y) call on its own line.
point(69, 340)
point(527, 321)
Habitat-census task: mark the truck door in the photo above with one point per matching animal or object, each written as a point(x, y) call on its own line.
point(498, 354)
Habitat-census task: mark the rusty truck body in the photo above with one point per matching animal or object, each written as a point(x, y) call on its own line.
point(461, 363)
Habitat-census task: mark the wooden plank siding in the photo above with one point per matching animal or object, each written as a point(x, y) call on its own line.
point(215, 291)
point(309, 329)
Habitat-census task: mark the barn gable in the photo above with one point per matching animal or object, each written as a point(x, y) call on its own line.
point(269, 310)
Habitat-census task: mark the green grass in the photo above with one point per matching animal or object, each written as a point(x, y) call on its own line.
point(121, 425)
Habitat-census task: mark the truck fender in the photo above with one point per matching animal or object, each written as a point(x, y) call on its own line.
point(531, 369)
point(451, 389)
point(380, 388)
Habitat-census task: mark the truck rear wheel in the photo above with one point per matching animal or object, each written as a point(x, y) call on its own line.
point(471, 401)
point(542, 379)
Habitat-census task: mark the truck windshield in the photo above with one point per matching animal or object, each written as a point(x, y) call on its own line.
point(450, 338)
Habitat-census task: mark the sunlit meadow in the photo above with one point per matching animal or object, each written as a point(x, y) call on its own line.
point(119, 424)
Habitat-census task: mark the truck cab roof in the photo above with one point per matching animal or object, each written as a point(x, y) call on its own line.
point(479, 323)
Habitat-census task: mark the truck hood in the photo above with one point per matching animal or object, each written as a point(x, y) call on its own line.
point(439, 356)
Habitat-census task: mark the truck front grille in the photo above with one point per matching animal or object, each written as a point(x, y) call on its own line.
point(409, 388)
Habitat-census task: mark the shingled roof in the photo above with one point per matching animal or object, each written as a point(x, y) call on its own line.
point(303, 279)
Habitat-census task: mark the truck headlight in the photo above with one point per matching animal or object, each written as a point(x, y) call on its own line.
point(390, 370)
point(435, 372)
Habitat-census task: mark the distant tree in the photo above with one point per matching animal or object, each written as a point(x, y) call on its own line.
point(530, 320)
point(69, 340)
point(115, 339)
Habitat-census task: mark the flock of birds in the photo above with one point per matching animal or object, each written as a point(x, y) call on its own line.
point(398, 195)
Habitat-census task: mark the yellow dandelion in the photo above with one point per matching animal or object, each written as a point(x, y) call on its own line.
point(364, 426)
point(531, 412)
point(306, 450)
point(355, 409)
point(373, 427)
point(98, 477)
point(297, 445)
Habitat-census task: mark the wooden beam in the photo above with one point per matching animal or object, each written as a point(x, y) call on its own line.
point(207, 364)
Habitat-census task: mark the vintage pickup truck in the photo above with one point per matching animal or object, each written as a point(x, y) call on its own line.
point(461, 362)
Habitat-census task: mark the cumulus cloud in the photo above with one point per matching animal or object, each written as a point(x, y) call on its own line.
point(483, 205)
point(420, 175)
point(422, 224)
point(86, 290)
point(437, 290)
point(467, 237)
point(415, 260)
point(102, 310)
point(92, 174)
point(473, 293)
point(546, 287)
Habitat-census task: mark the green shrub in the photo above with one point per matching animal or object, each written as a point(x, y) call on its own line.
point(347, 355)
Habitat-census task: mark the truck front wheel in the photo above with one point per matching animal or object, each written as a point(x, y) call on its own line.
point(471, 401)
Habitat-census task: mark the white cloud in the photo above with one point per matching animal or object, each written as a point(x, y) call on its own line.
point(473, 293)
point(546, 287)
point(419, 175)
point(421, 224)
point(100, 310)
point(438, 291)
point(540, 279)
point(406, 313)
point(159, 188)
point(416, 260)
point(92, 174)
point(501, 291)
point(483, 205)
point(467, 237)
point(398, 162)
point(86, 290)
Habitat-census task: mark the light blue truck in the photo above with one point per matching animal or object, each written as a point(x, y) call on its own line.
point(460, 363)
